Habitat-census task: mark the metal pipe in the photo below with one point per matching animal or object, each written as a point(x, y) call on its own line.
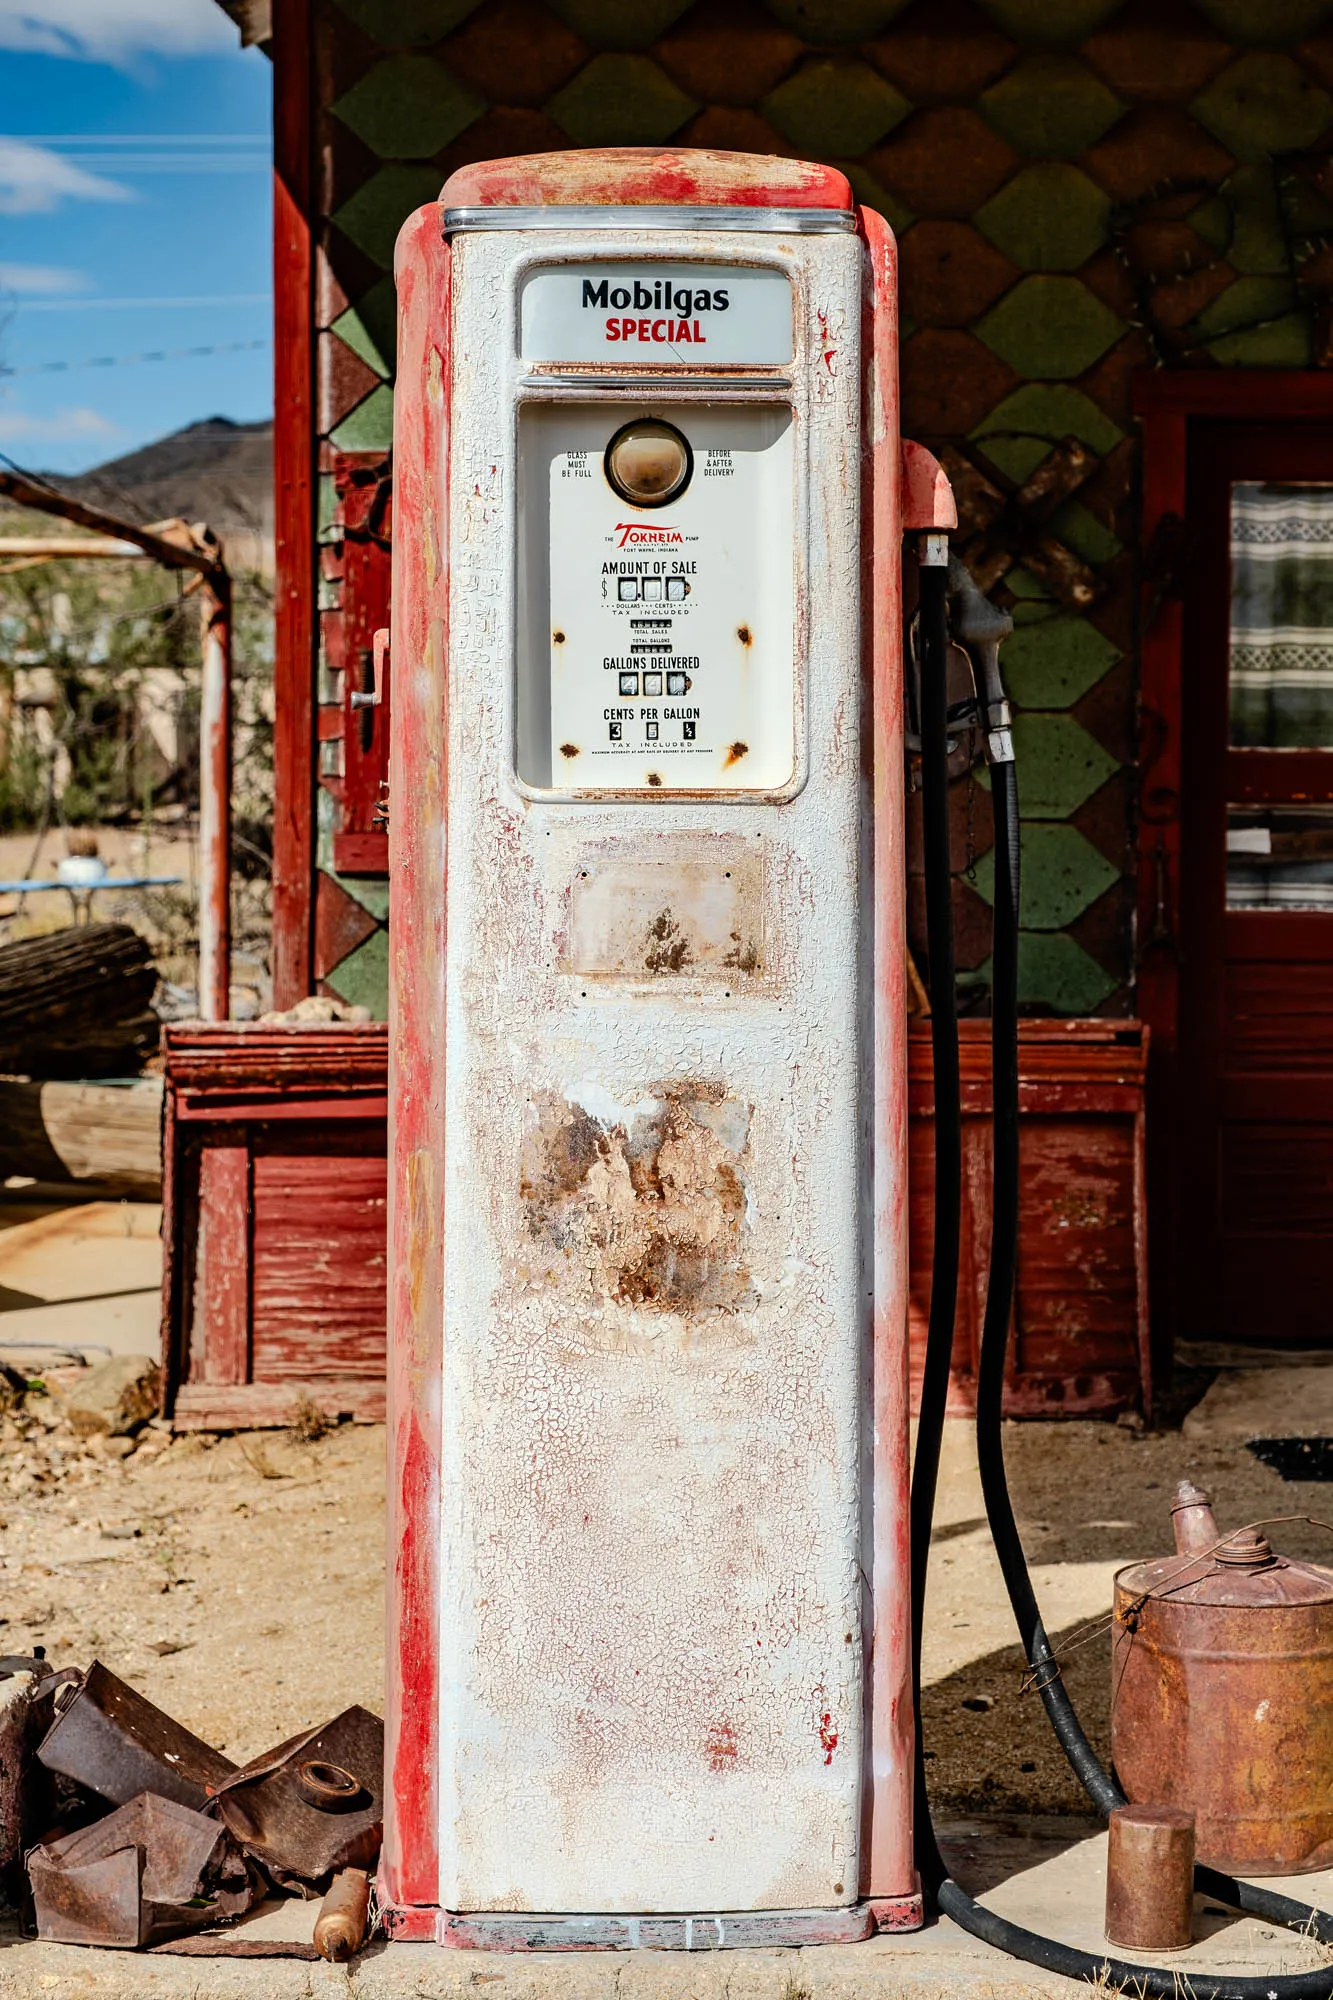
point(194, 548)
point(54, 548)
point(215, 801)
point(25, 492)
point(344, 1915)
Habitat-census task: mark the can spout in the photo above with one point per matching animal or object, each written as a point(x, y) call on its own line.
point(1192, 1520)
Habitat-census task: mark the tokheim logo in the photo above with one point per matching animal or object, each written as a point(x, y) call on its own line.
point(635, 535)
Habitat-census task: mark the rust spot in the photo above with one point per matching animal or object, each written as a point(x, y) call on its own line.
point(569, 749)
point(558, 638)
point(828, 1736)
point(742, 957)
point(649, 1213)
point(668, 947)
point(654, 778)
point(736, 752)
point(744, 635)
point(720, 1747)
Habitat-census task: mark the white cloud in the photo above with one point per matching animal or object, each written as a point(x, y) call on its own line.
point(116, 31)
point(60, 279)
point(18, 427)
point(33, 180)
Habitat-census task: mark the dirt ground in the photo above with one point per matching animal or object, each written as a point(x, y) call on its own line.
point(1089, 1498)
point(238, 1581)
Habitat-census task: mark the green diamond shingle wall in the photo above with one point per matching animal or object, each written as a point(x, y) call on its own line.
point(1080, 188)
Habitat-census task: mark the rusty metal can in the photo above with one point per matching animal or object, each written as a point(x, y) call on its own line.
point(1222, 1695)
point(1150, 1878)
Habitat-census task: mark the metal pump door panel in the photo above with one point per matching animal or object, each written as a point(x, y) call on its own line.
point(665, 655)
point(653, 1454)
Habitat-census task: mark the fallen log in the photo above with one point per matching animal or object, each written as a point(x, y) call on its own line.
point(105, 1136)
point(77, 1002)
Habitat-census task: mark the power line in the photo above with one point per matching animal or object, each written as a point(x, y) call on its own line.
point(124, 360)
point(140, 138)
point(95, 304)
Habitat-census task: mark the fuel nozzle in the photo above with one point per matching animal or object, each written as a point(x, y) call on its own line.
point(981, 627)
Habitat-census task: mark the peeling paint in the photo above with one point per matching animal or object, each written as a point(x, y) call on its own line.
point(656, 1316)
point(651, 1212)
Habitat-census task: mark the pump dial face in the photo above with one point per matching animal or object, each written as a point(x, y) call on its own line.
point(649, 462)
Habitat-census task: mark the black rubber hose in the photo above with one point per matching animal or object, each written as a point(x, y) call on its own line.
point(1159, 1983)
point(1000, 1284)
point(933, 642)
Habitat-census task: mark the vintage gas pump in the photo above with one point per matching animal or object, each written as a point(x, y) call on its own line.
point(655, 1586)
point(649, 1673)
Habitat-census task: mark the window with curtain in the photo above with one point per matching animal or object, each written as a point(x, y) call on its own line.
point(1281, 616)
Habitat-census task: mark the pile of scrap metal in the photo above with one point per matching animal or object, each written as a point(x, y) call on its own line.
point(149, 1837)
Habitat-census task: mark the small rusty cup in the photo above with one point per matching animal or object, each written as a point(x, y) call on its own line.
point(1150, 1878)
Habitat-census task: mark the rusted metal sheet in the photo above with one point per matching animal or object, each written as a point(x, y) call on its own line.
point(20, 1681)
point(113, 1741)
point(1150, 1878)
point(625, 176)
point(1080, 1345)
point(1222, 1695)
point(314, 1804)
point(151, 1870)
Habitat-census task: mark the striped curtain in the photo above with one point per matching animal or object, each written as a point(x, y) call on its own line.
point(1282, 616)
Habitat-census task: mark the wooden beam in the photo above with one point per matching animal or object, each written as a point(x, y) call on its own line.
point(201, 552)
point(222, 1285)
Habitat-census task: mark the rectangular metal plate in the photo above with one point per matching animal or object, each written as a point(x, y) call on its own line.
point(665, 314)
point(685, 919)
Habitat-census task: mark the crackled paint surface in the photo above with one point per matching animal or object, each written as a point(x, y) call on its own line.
point(651, 1603)
point(654, 1471)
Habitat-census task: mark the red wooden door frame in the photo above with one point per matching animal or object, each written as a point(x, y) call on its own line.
point(294, 449)
point(1168, 402)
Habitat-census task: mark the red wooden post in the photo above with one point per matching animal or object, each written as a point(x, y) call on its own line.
point(294, 505)
point(215, 802)
point(222, 1292)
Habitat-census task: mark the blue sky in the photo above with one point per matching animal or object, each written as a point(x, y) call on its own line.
point(134, 217)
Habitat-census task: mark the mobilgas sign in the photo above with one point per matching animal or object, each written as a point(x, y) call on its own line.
point(659, 314)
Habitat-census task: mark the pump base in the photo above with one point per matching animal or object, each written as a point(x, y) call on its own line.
point(512, 1930)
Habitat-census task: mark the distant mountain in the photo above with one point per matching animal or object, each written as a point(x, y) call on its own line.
point(215, 471)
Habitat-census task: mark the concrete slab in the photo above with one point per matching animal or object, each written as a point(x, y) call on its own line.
point(1048, 1874)
point(1264, 1402)
point(84, 1276)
